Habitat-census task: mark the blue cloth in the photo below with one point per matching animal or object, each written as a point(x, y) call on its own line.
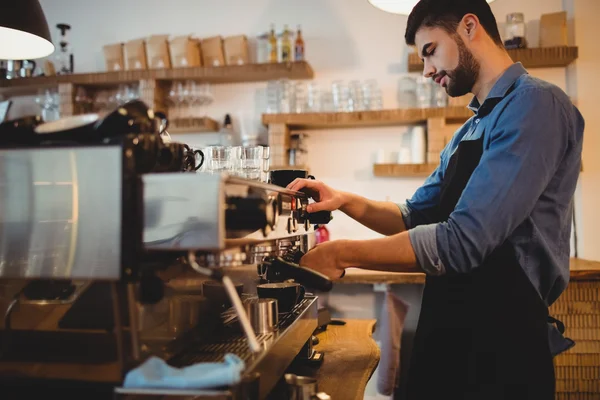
point(157, 374)
point(522, 190)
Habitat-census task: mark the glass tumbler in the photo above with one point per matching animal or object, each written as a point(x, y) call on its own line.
point(252, 160)
point(219, 159)
point(235, 155)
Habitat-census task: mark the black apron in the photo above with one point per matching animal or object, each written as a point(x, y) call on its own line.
point(481, 335)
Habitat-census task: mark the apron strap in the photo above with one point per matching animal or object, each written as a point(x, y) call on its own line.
point(556, 338)
point(559, 324)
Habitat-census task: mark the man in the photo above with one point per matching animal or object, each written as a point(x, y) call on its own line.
point(490, 227)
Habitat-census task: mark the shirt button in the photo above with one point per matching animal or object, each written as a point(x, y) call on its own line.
point(477, 120)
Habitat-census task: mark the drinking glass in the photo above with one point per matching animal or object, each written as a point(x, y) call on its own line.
point(355, 98)
point(341, 94)
point(424, 92)
point(176, 100)
point(49, 102)
point(236, 161)
point(219, 159)
point(272, 97)
point(313, 98)
point(252, 162)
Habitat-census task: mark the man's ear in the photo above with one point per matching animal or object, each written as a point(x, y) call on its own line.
point(470, 25)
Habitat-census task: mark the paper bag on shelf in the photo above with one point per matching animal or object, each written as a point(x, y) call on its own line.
point(212, 52)
point(236, 50)
point(157, 49)
point(135, 55)
point(185, 52)
point(114, 57)
point(553, 29)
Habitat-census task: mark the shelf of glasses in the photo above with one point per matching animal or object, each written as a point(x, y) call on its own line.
point(224, 74)
point(403, 170)
point(366, 118)
point(542, 57)
point(192, 125)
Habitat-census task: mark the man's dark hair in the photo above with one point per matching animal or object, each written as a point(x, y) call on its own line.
point(447, 14)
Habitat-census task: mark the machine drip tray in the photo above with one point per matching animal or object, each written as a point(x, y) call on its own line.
point(231, 339)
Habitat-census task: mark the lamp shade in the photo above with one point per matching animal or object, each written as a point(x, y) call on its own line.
point(403, 7)
point(24, 32)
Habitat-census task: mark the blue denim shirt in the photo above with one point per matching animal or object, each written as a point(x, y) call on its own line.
point(521, 191)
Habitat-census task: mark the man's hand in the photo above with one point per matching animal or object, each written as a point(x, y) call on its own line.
point(325, 258)
point(327, 199)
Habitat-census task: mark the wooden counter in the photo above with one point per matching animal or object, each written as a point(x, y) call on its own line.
point(581, 270)
point(584, 270)
point(351, 356)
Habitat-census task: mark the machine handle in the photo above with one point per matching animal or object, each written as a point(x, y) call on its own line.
point(280, 270)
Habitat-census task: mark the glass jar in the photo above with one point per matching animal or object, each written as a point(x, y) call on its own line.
point(515, 31)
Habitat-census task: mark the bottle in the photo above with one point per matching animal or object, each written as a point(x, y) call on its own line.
point(299, 46)
point(286, 45)
point(272, 45)
point(321, 234)
point(64, 56)
point(226, 132)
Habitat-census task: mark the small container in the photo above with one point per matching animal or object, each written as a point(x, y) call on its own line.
point(263, 314)
point(301, 387)
point(515, 31)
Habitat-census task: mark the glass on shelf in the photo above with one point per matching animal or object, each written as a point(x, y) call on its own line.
point(49, 102)
point(283, 97)
point(407, 92)
point(185, 100)
point(424, 92)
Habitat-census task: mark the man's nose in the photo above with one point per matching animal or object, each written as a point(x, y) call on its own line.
point(428, 69)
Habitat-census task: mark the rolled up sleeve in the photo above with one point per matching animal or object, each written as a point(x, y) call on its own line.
point(422, 207)
point(525, 150)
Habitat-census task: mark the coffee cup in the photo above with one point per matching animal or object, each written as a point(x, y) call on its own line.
point(287, 294)
point(283, 177)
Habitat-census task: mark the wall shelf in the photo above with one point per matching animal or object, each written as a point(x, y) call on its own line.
point(195, 125)
point(541, 57)
point(365, 118)
point(216, 75)
point(403, 170)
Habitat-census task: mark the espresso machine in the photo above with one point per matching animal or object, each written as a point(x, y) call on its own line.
point(107, 258)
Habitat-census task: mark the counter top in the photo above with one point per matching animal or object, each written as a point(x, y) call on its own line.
point(581, 270)
point(350, 358)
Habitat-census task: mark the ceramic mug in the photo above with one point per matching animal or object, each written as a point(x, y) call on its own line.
point(287, 294)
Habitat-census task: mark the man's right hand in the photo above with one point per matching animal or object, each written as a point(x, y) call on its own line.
point(326, 198)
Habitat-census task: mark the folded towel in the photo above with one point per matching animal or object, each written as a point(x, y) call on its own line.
point(392, 324)
point(157, 374)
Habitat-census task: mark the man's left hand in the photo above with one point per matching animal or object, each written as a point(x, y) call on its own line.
point(326, 258)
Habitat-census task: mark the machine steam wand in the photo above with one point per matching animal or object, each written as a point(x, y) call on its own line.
point(233, 297)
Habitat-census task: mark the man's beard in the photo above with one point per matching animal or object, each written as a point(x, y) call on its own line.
point(464, 76)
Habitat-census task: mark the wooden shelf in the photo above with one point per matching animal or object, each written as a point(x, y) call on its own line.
point(403, 170)
point(365, 118)
point(542, 57)
point(225, 74)
point(196, 125)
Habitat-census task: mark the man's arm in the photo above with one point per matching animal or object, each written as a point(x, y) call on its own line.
point(381, 216)
point(390, 218)
point(504, 188)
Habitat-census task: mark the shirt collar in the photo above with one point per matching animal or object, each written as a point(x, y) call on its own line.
point(501, 88)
